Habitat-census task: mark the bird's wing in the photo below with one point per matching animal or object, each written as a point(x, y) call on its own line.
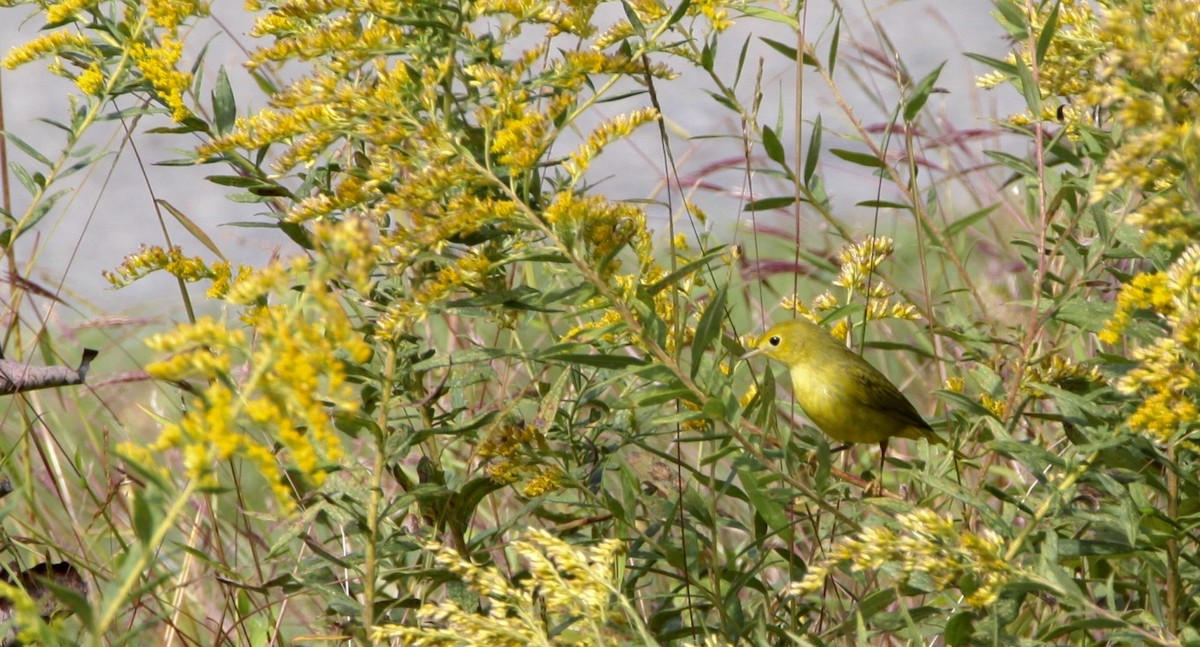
point(880, 394)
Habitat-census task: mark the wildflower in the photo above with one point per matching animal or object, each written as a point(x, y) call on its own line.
point(925, 551)
point(570, 590)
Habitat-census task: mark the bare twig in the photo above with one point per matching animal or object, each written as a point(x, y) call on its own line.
point(17, 377)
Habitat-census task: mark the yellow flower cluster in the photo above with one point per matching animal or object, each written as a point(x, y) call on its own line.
point(515, 453)
point(857, 274)
point(571, 591)
point(569, 17)
point(52, 43)
point(927, 551)
point(154, 258)
point(1060, 372)
point(1166, 374)
point(858, 263)
point(1135, 61)
point(1145, 291)
point(155, 56)
point(1149, 80)
point(603, 135)
point(1068, 65)
point(600, 228)
point(281, 392)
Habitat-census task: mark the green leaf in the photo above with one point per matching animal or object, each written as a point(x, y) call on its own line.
point(708, 55)
point(966, 221)
point(765, 506)
point(192, 228)
point(813, 155)
point(24, 178)
point(883, 204)
point(767, 204)
point(634, 20)
point(708, 328)
point(861, 159)
point(598, 361)
point(143, 518)
point(1020, 165)
point(788, 51)
point(239, 181)
point(1033, 97)
point(462, 504)
point(1049, 28)
point(520, 298)
point(959, 629)
point(1091, 547)
point(875, 602)
point(920, 95)
point(773, 146)
point(297, 233)
point(224, 104)
point(1087, 624)
point(679, 13)
point(1003, 67)
point(685, 271)
point(442, 360)
point(833, 46)
point(759, 11)
point(29, 150)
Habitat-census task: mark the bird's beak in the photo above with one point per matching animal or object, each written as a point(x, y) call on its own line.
point(750, 353)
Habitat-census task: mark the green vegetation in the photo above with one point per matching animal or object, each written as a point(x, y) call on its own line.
point(479, 401)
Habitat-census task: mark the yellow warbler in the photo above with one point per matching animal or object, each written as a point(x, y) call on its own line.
point(841, 393)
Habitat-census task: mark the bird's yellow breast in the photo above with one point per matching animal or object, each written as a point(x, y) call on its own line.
point(823, 396)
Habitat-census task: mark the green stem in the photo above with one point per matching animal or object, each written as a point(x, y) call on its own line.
point(370, 558)
point(135, 572)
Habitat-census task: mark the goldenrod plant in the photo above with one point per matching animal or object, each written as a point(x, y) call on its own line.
point(482, 394)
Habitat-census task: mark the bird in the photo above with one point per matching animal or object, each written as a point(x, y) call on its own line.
point(842, 394)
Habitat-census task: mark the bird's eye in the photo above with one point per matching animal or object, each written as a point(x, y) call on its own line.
point(774, 340)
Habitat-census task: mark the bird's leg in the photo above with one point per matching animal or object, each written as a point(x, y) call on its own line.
point(883, 444)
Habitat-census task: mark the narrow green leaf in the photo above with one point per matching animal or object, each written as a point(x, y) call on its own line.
point(634, 20)
point(29, 150)
point(875, 602)
point(685, 270)
point(956, 227)
point(708, 328)
point(813, 155)
point(224, 104)
point(767, 204)
point(1012, 15)
point(679, 12)
point(708, 54)
point(143, 518)
point(959, 629)
point(598, 361)
point(1089, 625)
point(1033, 97)
point(1049, 28)
point(192, 228)
point(788, 51)
point(240, 181)
point(737, 77)
point(1020, 165)
point(861, 159)
point(759, 11)
point(773, 146)
point(883, 204)
point(24, 178)
point(920, 94)
point(833, 46)
point(765, 506)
